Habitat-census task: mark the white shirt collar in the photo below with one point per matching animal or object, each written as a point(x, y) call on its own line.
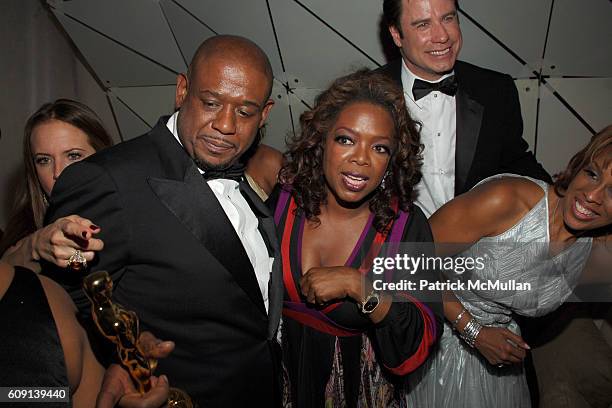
point(408, 78)
point(173, 128)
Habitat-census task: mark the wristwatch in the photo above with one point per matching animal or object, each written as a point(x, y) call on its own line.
point(370, 303)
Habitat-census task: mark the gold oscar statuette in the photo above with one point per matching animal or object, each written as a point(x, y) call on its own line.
point(121, 327)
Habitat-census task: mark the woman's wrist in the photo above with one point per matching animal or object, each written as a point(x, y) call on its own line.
point(360, 286)
point(467, 326)
point(461, 321)
point(31, 243)
point(455, 322)
point(382, 309)
point(471, 331)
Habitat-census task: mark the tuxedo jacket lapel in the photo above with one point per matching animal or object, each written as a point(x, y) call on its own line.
point(469, 119)
point(197, 208)
point(393, 70)
point(268, 232)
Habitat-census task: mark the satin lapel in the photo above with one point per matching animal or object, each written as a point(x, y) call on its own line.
point(395, 69)
point(268, 232)
point(469, 118)
point(196, 206)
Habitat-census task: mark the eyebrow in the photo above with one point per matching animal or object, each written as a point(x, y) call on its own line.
point(417, 22)
point(351, 131)
point(345, 128)
point(65, 151)
point(218, 95)
point(607, 164)
point(379, 138)
point(427, 20)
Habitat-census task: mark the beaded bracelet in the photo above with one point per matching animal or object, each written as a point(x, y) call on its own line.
point(470, 332)
point(458, 319)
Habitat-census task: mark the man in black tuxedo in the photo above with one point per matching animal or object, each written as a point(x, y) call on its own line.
point(471, 117)
point(190, 247)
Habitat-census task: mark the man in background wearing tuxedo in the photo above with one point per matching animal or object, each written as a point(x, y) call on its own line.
point(190, 247)
point(471, 117)
point(471, 124)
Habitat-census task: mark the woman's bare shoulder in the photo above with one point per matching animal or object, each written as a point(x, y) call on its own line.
point(488, 209)
point(264, 166)
point(507, 194)
point(267, 156)
point(6, 277)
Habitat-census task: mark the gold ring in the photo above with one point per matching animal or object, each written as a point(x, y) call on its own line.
point(77, 261)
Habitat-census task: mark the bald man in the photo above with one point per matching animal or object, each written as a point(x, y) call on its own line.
point(190, 247)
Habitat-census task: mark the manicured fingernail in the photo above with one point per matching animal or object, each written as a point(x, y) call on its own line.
point(94, 227)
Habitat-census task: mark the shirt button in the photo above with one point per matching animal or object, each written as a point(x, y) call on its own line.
point(435, 95)
point(441, 171)
point(438, 133)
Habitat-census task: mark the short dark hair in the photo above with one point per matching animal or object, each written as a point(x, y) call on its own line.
point(304, 158)
point(233, 46)
point(392, 13)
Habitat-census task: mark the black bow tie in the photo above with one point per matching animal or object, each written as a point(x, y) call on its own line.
point(421, 89)
point(234, 172)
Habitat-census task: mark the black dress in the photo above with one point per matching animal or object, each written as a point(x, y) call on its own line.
point(31, 353)
point(337, 356)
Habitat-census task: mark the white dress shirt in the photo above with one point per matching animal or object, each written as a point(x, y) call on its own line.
point(437, 114)
point(243, 220)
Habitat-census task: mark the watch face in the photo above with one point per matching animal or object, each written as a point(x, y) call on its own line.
point(371, 304)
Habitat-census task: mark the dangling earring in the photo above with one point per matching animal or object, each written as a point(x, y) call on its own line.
point(382, 182)
point(45, 201)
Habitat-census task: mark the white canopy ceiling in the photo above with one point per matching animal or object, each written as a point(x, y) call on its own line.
point(557, 50)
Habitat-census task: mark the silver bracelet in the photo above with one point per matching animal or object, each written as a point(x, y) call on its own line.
point(455, 322)
point(470, 332)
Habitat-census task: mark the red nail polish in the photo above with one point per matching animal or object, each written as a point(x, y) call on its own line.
point(94, 227)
